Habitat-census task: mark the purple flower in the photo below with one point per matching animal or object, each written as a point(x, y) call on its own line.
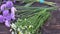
point(13, 9)
point(9, 4)
point(3, 6)
point(7, 15)
point(7, 23)
point(12, 16)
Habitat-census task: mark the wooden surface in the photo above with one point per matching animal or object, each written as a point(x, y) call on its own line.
point(4, 29)
point(52, 25)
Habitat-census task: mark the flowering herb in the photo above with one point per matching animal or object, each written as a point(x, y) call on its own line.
point(9, 5)
point(6, 17)
point(31, 24)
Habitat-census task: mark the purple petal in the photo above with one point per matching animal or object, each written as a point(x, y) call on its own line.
point(3, 6)
point(9, 4)
point(7, 23)
point(12, 16)
point(5, 12)
point(8, 18)
point(13, 13)
point(7, 15)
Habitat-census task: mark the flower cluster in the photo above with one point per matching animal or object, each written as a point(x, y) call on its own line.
point(8, 13)
point(22, 26)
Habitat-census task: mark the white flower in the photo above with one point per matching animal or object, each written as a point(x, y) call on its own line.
point(29, 33)
point(13, 26)
point(30, 26)
point(25, 19)
point(20, 32)
point(12, 32)
point(18, 29)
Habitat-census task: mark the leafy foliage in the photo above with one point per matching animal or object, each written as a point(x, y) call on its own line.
point(31, 24)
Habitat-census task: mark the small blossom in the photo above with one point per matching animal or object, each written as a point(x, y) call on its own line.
point(13, 9)
point(30, 26)
point(6, 15)
point(9, 4)
point(18, 29)
point(3, 6)
point(12, 32)
point(20, 32)
point(5, 12)
point(7, 23)
point(13, 26)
